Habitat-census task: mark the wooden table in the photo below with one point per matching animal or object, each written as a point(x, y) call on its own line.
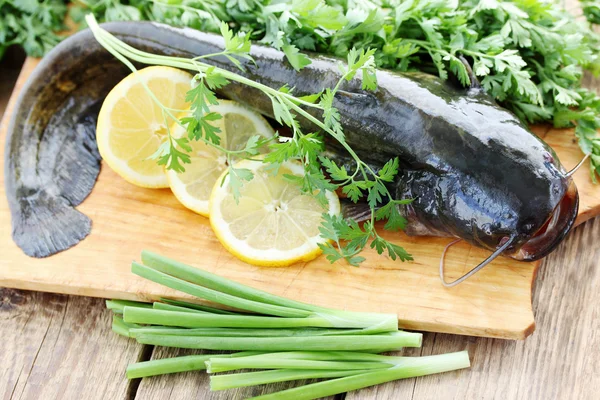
point(61, 347)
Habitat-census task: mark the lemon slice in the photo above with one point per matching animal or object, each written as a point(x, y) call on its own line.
point(131, 126)
point(274, 223)
point(193, 187)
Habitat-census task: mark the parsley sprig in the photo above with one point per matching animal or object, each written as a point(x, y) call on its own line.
point(347, 237)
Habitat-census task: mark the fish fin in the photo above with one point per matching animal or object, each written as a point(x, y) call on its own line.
point(72, 169)
point(44, 190)
point(475, 84)
point(355, 211)
point(48, 224)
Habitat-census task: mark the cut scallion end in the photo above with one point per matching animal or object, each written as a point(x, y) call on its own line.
point(117, 305)
point(176, 364)
point(167, 366)
point(121, 327)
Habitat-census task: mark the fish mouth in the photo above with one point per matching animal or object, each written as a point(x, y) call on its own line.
point(560, 222)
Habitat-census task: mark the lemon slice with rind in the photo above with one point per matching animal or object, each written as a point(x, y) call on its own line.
point(238, 123)
point(131, 125)
point(274, 223)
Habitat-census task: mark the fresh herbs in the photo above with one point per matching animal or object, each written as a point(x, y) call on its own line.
point(341, 348)
point(32, 24)
point(530, 55)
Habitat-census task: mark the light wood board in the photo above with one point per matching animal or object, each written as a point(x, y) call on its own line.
point(495, 303)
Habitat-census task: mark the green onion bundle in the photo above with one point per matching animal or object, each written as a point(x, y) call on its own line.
point(283, 339)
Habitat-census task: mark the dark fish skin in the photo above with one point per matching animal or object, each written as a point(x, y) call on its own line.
point(52, 160)
point(474, 170)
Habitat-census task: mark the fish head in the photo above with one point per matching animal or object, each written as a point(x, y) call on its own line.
point(532, 199)
point(535, 207)
point(547, 237)
point(532, 203)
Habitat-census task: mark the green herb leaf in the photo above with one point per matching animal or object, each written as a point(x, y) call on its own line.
point(297, 59)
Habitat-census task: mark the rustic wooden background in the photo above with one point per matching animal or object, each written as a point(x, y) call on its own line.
point(61, 347)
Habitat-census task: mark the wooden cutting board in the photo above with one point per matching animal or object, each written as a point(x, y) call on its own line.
point(496, 302)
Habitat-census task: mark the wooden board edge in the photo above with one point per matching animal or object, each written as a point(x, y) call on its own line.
point(413, 325)
point(587, 215)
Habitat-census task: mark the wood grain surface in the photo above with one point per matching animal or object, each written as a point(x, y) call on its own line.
point(496, 302)
point(195, 385)
point(61, 347)
point(560, 360)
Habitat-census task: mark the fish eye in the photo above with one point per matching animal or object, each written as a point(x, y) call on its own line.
point(528, 226)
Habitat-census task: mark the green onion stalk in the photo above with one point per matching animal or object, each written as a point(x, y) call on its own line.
point(285, 313)
point(411, 367)
point(371, 343)
point(243, 332)
point(386, 369)
point(286, 340)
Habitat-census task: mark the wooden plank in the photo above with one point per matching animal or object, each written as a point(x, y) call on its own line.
point(496, 302)
point(559, 361)
point(61, 347)
point(195, 385)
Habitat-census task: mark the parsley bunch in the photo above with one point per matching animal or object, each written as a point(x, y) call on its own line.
point(32, 24)
point(529, 54)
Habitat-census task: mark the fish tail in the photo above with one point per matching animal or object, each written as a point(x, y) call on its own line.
point(44, 225)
